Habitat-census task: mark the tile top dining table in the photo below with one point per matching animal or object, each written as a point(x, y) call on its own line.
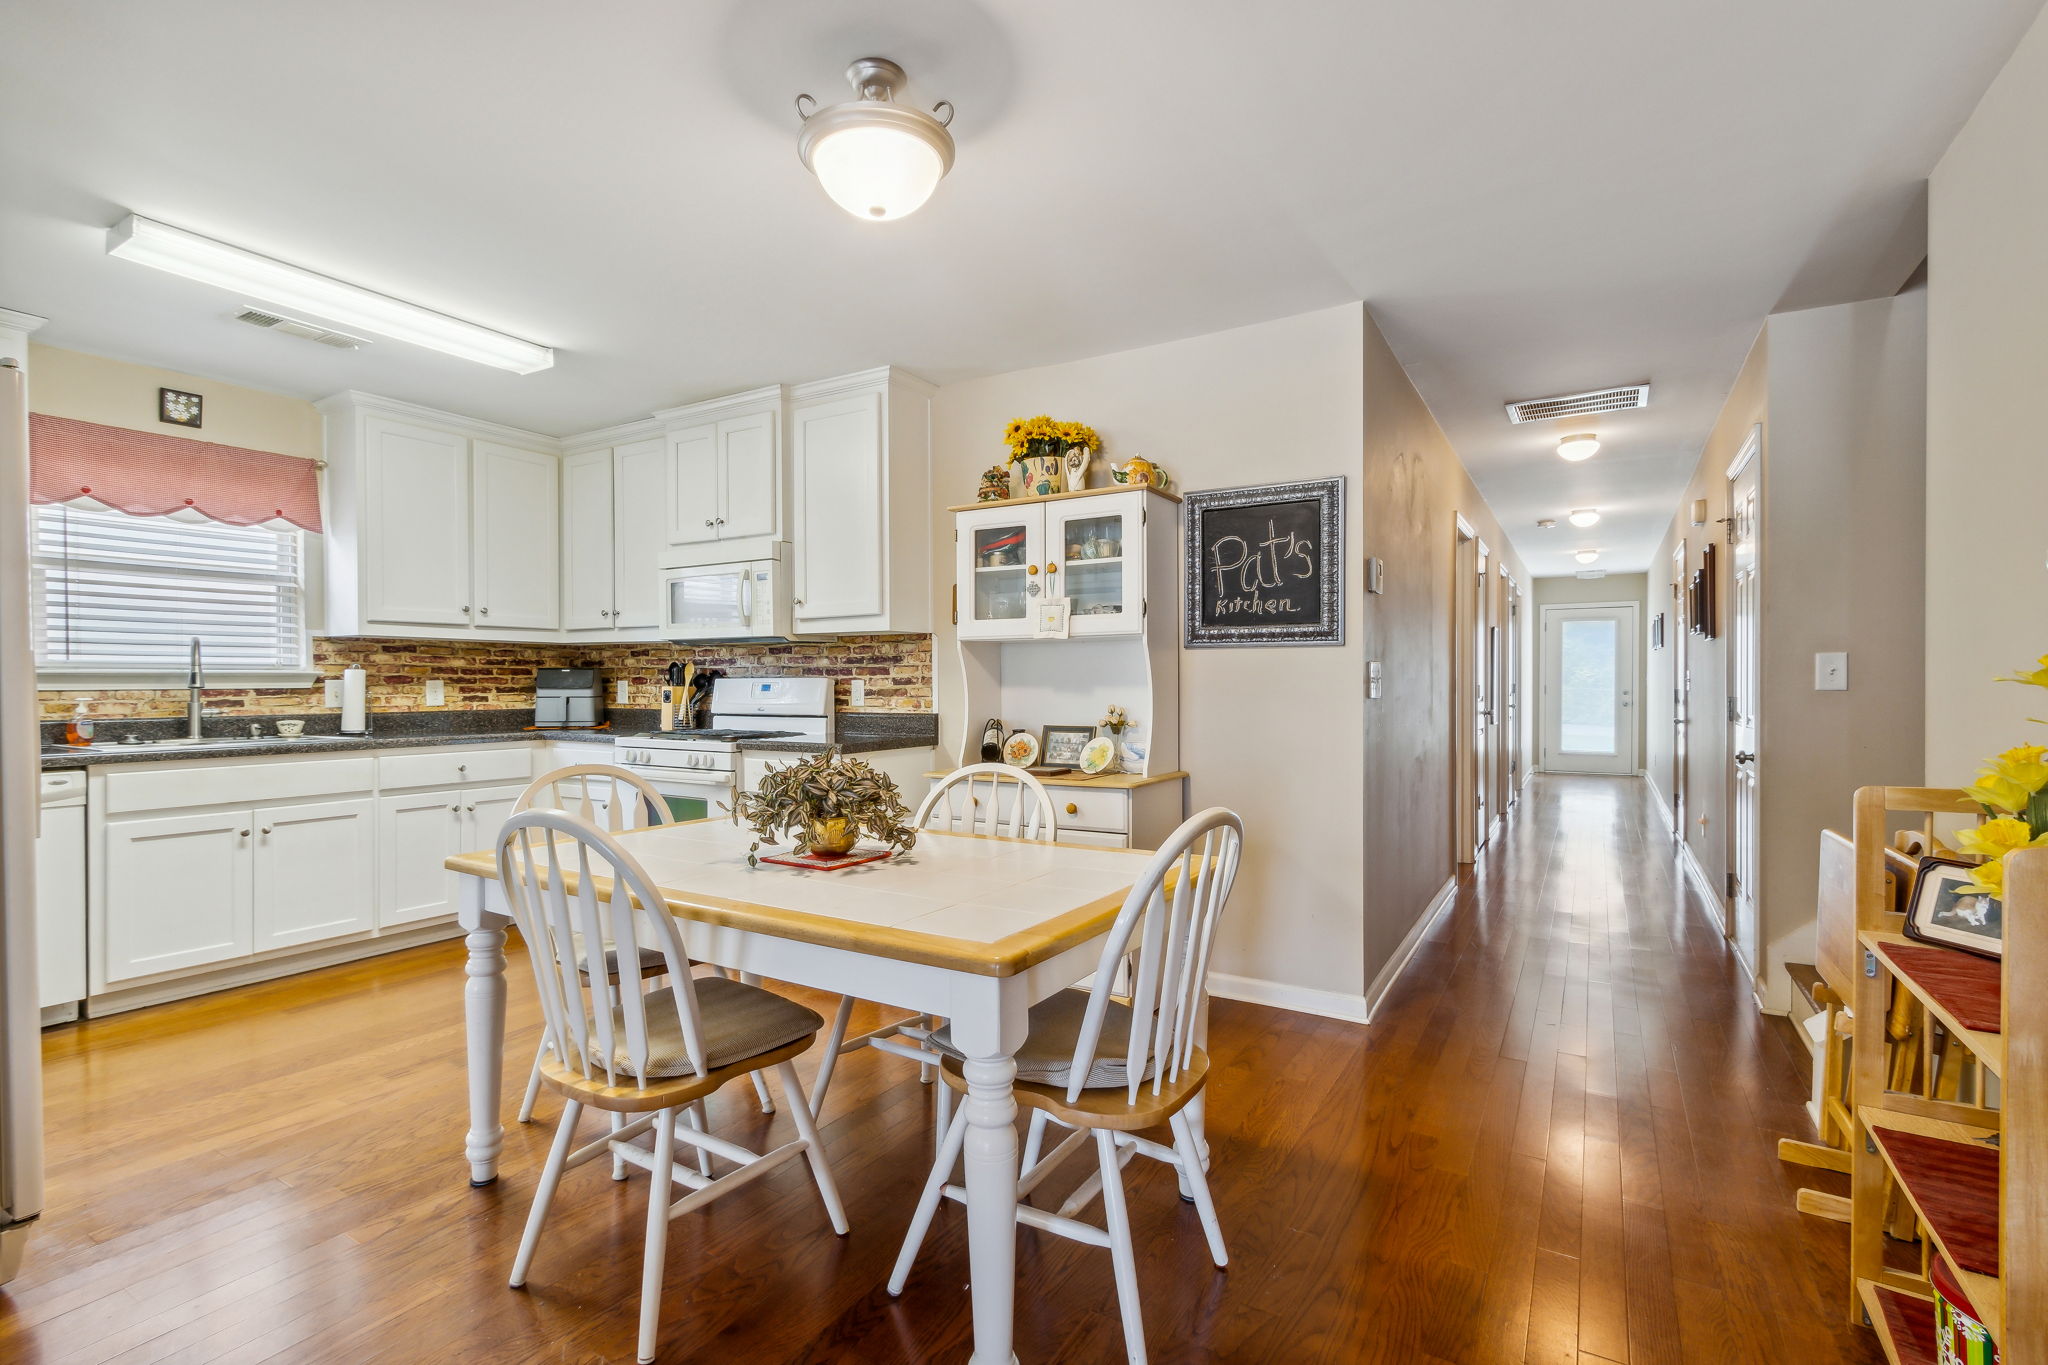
point(973, 929)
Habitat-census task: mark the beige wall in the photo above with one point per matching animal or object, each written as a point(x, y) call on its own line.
point(1987, 476)
point(1564, 592)
point(1414, 490)
point(114, 393)
point(1281, 734)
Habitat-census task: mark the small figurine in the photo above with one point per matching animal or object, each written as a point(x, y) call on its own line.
point(1078, 460)
point(995, 484)
point(1139, 472)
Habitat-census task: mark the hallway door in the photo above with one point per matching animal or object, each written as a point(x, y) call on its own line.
point(1485, 732)
point(1466, 722)
point(1679, 632)
point(1589, 687)
point(1745, 600)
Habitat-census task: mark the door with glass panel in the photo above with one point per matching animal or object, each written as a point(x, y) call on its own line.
point(1001, 562)
point(1085, 551)
point(1589, 685)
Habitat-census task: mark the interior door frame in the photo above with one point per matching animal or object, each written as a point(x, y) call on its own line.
point(1748, 457)
point(1511, 688)
point(1544, 658)
point(1681, 690)
point(1466, 549)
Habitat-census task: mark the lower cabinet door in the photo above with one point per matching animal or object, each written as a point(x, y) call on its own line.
point(486, 810)
point(416, 834)
point(178, 893)
point(315, 876)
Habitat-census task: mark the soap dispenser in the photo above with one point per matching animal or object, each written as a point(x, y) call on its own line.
point(78, 729)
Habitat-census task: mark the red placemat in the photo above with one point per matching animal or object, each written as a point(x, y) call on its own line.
point(1967, 986)
point(1956, 1185)
point(826, 862)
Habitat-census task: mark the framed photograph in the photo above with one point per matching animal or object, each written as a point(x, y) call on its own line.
point(1265, 565)
point(1942, 912)
point(1061, 745)
point(179, 408)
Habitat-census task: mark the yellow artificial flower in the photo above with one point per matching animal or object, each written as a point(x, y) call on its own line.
point(2037, 678)
point(2023, 765)
point(1995, 838)
point(1987, 879)
point(1994, 792)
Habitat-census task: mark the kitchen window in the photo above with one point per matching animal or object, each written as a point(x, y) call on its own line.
point(123, 595)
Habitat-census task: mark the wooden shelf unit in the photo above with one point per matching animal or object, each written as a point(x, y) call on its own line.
point(1975, 1174)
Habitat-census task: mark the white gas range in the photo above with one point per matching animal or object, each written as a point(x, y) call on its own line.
point(698, 770)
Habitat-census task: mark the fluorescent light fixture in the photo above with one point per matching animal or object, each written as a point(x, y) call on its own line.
point(1579, 447)
point(148, 242)
point(1583, 516)
point(1586, 556)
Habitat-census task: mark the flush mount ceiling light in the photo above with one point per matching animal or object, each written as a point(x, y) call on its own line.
point(148, 242)
point(1583, 516)
point(1586, 556)
point(1578, 447)
point(877, 159)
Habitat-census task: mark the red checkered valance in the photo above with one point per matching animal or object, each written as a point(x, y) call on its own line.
point(147, 475)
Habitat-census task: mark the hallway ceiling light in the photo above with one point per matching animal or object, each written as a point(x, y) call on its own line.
point(148, 242)
point(1583, 516)
point(877, 159)
point(1586, 556)
point(1578, 447)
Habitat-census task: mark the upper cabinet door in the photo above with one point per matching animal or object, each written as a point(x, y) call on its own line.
point(518, 561)
point(177, 893)
point(749, 481)
point(315, 869)
point(587, 549)
point(1095, 557)
point(692, 485)
point(1001, 571)
point(638, 533)
point(416, 532)
point(841, 527)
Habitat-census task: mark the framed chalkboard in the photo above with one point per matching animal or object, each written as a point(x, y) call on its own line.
point(1265, 566)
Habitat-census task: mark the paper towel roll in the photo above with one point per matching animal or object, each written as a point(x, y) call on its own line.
point(355, 687)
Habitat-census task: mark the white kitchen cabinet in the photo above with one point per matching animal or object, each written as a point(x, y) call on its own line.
point(439, 526)
point(639, 475)
point(415, 524)
point(179, 893)
point(588, 582)
point(860, 465)
point(313, 870)
point(1087, 567)
point(724, 478)
point(1089, 552)
point(417, 833)
point(999, 557)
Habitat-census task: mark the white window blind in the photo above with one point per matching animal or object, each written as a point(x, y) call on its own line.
point(115, 592)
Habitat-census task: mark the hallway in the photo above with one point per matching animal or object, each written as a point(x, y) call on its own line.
point(1574, 1109)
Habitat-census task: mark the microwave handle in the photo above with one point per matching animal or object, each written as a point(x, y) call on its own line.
point(747, 595)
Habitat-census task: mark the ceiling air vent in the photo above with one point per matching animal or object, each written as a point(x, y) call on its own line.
point(1580, 404)
point(277, 322)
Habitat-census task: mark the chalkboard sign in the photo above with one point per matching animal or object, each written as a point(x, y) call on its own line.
point(1265, 566)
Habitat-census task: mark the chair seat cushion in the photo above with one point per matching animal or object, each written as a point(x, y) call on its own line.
point(738, 1021)
point(1047, 1056)
point(652, 963)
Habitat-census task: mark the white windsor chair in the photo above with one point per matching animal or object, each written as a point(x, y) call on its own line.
point(1096, 1062)
point(617, 1047)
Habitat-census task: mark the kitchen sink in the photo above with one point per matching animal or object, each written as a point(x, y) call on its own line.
point(210, 742)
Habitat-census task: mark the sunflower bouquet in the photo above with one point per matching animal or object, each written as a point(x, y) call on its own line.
point(1029, 437)
point(2013, 790)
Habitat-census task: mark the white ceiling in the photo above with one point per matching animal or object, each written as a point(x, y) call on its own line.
point(1535, 198)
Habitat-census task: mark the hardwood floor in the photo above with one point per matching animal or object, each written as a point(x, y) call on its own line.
point(1554, 1145)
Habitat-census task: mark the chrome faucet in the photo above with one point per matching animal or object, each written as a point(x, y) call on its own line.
point(196, 682)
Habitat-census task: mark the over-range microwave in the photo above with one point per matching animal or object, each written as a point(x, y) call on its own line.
point(748, 600)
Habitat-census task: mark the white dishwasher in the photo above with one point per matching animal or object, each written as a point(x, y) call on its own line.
point(60, 896)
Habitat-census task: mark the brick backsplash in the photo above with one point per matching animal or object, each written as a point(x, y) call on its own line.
point(897, 670)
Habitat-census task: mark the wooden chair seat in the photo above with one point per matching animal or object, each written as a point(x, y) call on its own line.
point(1111, 1109)
point(664, 1094)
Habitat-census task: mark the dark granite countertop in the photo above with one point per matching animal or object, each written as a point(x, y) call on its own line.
point(427, 729)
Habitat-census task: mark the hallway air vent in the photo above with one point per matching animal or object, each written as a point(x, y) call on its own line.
point(277, 322)
point(1580, 404)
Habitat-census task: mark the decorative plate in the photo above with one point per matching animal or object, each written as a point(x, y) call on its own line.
point(1097, 755)
point(1020, 750)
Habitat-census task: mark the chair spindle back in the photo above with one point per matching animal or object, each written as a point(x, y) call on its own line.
point(598, 794)
point(969, 800)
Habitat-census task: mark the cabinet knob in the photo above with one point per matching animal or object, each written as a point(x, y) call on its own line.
point(243, 833)
point(465, 610)
point(1030, 568)
point(1073, 809)
point(483, 611)
point(456, 809)
point(709, 522)
point(721, 521)
point(472, 810)
point(266, 829)
point(1052, 568)
point(799, 602)
point(462, 767)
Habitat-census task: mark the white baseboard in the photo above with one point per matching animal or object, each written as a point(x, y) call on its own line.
point(1398, 963)
point(1709, 893)
point(1663, 802)
point(1281, 996)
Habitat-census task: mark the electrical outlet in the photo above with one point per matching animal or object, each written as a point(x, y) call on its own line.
point(1831, 672)
point(330, 692)
point(437, 692)
point(857, 693)
point(619, 693)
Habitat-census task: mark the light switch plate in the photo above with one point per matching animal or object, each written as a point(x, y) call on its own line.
point(1375, 575)
point(1831, 672)
point(437, 692)
point(330, 692)
point(619, 693)
point(856, 692)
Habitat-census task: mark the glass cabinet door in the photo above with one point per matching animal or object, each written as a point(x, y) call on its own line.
point(1095, 551)
point(1000, 575)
